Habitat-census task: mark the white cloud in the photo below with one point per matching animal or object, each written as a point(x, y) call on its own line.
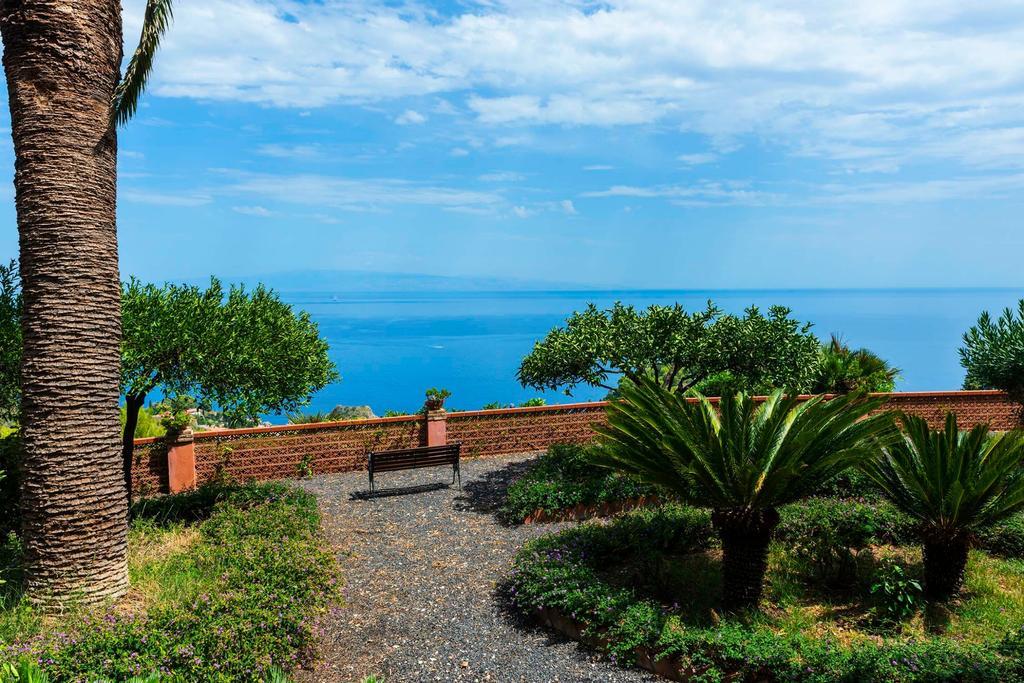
point(701, 193)
point(259, 211)
point(459, 152)
point(598, 167)
point(698, 158)
point(521, 212)
point(568, 207)
point(164, 198)
point(707, 193)
point(871, 83)
point(354, 194)
point(279, 151)
point(502, 177)
point(410, 117)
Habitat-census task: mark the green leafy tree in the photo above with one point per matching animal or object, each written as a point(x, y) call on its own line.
point(740, 458)
point(247, 353)
point(674, 348)
point(993, 353)
point(10, 342)
point(842, 370)
point(146, 426)
point(954, 484)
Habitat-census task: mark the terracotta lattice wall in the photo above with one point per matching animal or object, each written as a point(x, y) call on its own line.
point(283, 452)
point(520, 430)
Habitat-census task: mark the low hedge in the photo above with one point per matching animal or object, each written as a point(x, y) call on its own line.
point(563, 573)
point(264, 575)
point(562, 478)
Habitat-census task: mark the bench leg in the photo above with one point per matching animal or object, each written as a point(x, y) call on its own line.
point(457, 474)
point(371, 481)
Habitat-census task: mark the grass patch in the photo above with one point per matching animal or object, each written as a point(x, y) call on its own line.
point(227, 583)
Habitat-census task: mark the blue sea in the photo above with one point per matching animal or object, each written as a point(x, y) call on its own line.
point(390, 347)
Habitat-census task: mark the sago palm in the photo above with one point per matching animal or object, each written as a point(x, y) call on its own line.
point(741, 458)
point(953, 483)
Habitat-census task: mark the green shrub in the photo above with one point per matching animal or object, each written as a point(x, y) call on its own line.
point(1005, 538)
point(533, 403)
point(263, 578)
point(825, 533)
point(562, 478)
point(569, 572)
point(851, 483)
point(898, 595)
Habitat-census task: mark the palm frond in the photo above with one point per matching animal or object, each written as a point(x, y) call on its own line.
point(952, 481)
point(740, 454)
point(127, 93)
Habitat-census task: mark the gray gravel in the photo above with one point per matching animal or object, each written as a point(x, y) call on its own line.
point(421, 571)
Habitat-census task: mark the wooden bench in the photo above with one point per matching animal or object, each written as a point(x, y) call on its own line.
point(416, 458)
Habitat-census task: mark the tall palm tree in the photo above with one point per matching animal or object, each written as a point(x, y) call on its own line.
point(62, 62)
point(953, 483)
point(740, 458)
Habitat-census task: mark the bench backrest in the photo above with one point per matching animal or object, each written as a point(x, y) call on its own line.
point(413, 458)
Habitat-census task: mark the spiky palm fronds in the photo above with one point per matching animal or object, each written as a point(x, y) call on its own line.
point(740, 454)
point(953, 483)
point(741, 458)
point(126, 96)
point(842, 369)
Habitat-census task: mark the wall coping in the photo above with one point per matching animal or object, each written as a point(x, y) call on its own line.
point(558, 407)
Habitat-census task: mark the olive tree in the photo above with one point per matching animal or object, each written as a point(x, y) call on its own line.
point(993, 353)
point(676, 349)
point(246, 352)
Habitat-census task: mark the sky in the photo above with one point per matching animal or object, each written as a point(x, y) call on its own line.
point(641, 144)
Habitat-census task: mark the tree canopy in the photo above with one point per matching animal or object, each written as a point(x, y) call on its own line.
point(246, 352)
point(993, 352)
point(675, 348)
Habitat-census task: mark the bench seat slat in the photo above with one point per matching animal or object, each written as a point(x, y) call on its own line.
point(428, 450)
point(413, 462)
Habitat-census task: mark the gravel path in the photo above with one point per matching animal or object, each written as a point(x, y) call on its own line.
point(421, 571)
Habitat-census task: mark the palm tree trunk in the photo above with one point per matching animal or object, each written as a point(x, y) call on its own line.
point(745, 536)
point(945, 563)
point(62, 62)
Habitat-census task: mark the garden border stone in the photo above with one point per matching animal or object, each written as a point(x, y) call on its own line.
point(583, 512)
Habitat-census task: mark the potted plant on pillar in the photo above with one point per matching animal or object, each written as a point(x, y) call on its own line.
point(435, 398)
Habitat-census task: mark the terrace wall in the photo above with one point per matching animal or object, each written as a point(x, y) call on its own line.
point(285, 451)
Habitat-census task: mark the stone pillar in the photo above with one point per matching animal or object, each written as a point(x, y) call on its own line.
point(437, 427)
point(181, 463)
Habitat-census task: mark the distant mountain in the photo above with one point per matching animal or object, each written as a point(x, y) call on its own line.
point(371, 281)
